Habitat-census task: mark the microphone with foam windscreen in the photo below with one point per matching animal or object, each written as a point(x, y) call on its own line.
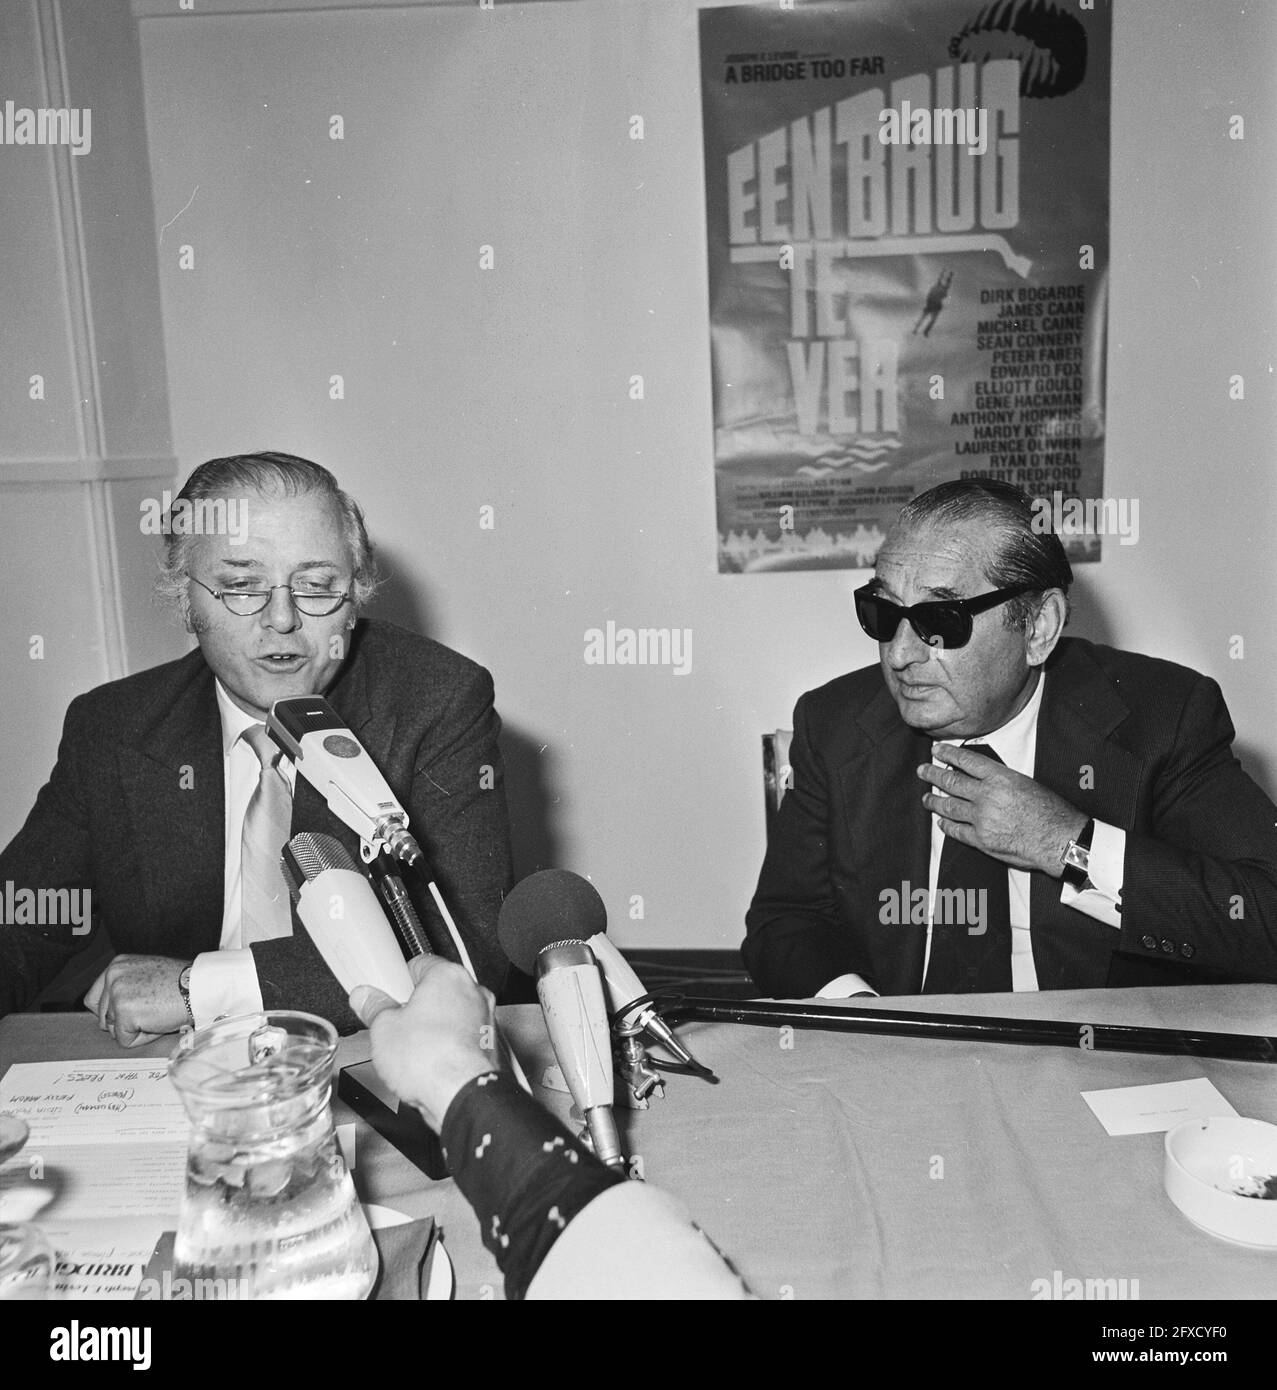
point(339, 909)
point(555, 904)
point(571, 995)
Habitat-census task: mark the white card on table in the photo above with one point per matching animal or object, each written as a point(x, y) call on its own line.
point(1152, 1109)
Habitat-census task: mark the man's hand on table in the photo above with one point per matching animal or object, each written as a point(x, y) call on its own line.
point(137, 998)
point(444, 1036)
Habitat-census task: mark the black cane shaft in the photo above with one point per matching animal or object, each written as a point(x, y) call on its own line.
point(1096, 1037)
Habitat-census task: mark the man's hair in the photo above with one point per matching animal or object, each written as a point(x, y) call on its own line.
point(1025, 552)
point(266, 473)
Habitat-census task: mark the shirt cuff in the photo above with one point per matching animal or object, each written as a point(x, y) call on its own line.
point(224, 984)
point(1107, 867)
point(844, 987)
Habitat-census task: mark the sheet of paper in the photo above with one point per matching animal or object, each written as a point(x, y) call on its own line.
point(112, 1101)
point(77, 1182)
point(101, 1259)
point(103, 1171)
point(1152, 1109)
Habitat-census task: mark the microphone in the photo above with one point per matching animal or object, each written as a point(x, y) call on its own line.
point(336, 764)
point(571, 995)
point(398, 905)
point(555, 904)
point(338, 908)
point(320, 875)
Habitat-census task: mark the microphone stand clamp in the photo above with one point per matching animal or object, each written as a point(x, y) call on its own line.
point(637, 1081)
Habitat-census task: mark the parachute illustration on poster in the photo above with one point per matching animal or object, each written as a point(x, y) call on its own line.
point(908, 264)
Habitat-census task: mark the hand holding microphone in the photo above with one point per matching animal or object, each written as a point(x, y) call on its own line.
point(427, 1049)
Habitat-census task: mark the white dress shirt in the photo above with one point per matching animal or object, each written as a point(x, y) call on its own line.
point(1016, 744)
point(224, 982)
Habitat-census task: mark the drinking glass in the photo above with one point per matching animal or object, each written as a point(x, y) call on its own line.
point(26, 1261)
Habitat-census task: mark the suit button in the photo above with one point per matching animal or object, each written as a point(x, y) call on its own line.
point(1168, 946)
point(1149, 943)
point(1188, 950)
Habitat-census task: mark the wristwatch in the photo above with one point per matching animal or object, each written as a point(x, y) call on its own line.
point(1077, 859)
point(184, 985)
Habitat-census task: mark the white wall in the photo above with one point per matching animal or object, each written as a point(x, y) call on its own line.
point(463, 388)
point(81, 447)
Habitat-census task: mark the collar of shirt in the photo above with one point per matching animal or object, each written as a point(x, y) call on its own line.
point(1016, 741)
point(234, 722)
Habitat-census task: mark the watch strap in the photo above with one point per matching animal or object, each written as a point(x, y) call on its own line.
point(1077, 858)
point(184, 987)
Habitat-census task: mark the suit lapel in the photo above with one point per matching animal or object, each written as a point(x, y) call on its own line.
point(348, 695)
point(173, 783)
point(174, 794)
point(1078, 758)
point(1076, 755)
point(882, 798)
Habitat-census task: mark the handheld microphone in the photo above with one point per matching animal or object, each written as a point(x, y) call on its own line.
point(338, 908)
point(556, 903)
point(571, 995)
point(398, 905)
point(336, 764)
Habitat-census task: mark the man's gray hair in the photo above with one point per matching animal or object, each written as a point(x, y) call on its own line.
point(1023, 553)
point(265, 473)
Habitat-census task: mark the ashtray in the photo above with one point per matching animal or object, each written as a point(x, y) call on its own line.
point(1221, 1172)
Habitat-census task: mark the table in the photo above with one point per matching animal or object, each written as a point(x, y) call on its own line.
point(853, 1166)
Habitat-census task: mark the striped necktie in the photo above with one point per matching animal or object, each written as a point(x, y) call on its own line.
point(265, 909)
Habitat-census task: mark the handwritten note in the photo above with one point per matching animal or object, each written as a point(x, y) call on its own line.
point(114, 1101)
point(103, 1170)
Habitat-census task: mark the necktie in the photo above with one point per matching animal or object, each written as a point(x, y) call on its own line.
point(265, 910)
point(971, 888)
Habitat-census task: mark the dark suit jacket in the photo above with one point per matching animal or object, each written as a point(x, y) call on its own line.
point(1140, 743)
point(134, 811)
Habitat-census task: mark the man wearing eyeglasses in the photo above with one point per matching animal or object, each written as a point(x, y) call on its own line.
point(995, 806)
point(171, 805)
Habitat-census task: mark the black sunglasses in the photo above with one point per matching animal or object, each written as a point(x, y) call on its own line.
point(947, 619)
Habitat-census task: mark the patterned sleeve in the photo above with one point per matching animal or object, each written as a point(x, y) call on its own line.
point(525, 1176)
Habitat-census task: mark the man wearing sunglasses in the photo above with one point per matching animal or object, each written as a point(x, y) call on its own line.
point(995, 806)
point(171, 805)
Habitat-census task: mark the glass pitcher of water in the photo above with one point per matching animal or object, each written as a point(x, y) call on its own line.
point(269, 1210)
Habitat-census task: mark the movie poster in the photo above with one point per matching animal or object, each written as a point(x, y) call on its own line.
point(908, 262)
